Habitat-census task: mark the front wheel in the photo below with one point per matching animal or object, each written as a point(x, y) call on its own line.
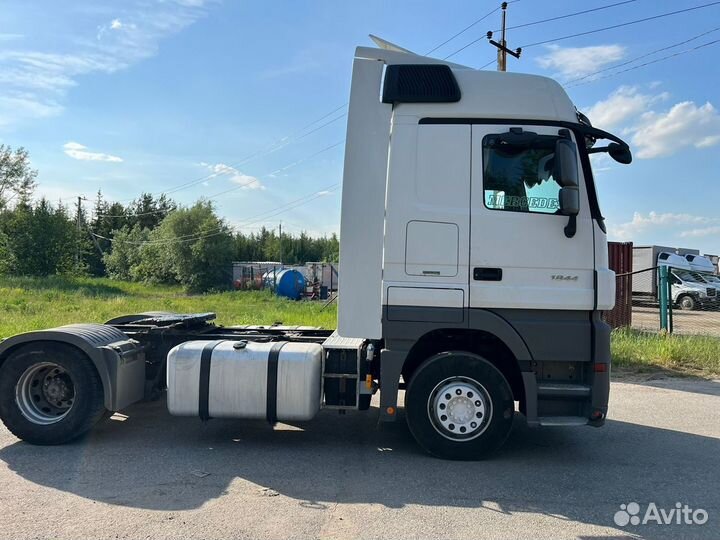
point(688, 303)
point(49, 394)
point(459, 406)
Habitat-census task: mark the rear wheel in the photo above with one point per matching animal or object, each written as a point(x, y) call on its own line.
point(49, 394)
point(459, 406)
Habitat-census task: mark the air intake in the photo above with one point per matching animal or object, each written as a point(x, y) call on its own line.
point(420, 83)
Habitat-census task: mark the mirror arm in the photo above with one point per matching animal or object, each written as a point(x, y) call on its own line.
point(598, 149)
point(571, 227)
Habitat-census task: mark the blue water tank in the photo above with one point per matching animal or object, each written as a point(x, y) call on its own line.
point(289, 283)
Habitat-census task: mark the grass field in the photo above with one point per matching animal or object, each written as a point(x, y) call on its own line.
point(34, 303)
point(644, 351)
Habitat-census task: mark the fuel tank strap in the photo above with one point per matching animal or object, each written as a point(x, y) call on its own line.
point(272, 375)
point(204, 390)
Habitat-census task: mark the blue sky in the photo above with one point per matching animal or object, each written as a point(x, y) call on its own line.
point(145, 95)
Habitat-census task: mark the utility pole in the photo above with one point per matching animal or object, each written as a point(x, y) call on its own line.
point(78, 220)
point(502, 55)
point(503, 51)
point(281, 246)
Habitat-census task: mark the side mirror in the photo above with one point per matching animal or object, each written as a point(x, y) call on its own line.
point(569, 201)
point(565, 173)
point(565, 169)
point(620, 153)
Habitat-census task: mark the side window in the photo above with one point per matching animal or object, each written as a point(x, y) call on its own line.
point(518, 177)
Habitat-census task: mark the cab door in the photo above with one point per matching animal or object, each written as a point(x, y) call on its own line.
point(520, 256)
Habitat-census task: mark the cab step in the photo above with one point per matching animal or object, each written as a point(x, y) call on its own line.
point(562, 421)
point(556, 390)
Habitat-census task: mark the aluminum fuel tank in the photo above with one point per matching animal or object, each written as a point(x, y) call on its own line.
point(231, 379)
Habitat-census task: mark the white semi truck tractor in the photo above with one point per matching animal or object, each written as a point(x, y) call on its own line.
point(473, 270)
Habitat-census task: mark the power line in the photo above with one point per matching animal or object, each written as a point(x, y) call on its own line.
point(270, 149)
point(468, 27)
point(559, 17)
point(274, 146)
point(621, 25)
point(473, 42)
point(633, 60)
point(221, 230)
point(261, 216)
point(693, 49)
point(486, 65)
point(236, 188)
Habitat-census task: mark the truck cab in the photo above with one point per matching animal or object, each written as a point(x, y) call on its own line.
point(690, 290)
point(472, 236)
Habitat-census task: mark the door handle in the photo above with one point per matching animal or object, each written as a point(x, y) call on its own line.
point(487, 274)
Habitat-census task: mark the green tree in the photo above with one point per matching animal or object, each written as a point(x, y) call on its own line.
point(192, 247)
point(17, 178)
point(149, 212)
point(123, 261)
point(40, 240)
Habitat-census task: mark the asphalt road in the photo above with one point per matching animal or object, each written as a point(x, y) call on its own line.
point(150, 475)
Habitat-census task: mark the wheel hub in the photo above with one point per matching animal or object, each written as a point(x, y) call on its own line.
point(460, 408)
point(45, 393)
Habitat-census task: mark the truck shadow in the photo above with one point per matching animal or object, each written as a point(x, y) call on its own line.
point(151, 460)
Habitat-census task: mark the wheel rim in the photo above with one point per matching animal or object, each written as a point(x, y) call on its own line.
point(460, 408)
point(45, 393)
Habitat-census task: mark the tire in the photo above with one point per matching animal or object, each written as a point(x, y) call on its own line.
point(687, 303)
point(466, 378)
point(36, 375)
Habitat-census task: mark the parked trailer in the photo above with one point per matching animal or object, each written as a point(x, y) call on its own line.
point(474, 269)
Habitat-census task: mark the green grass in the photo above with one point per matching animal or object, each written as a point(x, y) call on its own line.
point(34, 303)
point(687, 355)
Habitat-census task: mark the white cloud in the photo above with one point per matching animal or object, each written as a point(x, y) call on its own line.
point(685, 124)
point(668, 220)
point(579, 61)
point(244, 180)
point(697, 233)
point(41, 78)
point(623, 104)
point(115, 25)
point(18, 107)
point(656, 134)
point(707, 142)
point(80, 152)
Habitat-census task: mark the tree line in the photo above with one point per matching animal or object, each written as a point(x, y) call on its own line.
point(151, 238)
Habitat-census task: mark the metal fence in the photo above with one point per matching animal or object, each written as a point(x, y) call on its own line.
point(680, 302)
point(321, 277)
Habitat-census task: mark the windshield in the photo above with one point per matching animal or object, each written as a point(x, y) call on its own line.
point(686, 275)
point(710, 278)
